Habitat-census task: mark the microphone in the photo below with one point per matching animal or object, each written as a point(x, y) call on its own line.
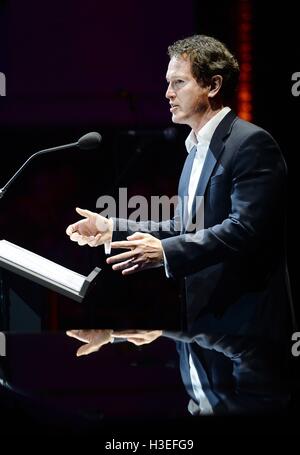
point(169, 134)
point(89, 141)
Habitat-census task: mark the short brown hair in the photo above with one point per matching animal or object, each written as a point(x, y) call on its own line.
point(208, 57)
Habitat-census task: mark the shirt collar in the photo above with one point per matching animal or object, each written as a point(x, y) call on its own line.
point(205, 134)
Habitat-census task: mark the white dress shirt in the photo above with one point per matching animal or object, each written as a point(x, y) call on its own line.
point(201, 141)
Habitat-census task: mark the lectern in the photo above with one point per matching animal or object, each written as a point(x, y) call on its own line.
point(45, 272)
point(63, 299)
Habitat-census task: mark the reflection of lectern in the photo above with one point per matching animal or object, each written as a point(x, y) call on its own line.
point(44, 272)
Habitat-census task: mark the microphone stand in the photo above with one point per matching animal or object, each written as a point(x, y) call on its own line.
point(89, 141)
point(4, 300)
point(41, 152)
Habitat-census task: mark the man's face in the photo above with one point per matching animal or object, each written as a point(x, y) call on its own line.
point(188, 99)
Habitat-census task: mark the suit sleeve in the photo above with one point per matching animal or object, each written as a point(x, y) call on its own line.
point(162, 230)
point(258, 181)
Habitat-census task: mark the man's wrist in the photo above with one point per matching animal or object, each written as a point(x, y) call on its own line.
point(111, 227)
point(111, 337)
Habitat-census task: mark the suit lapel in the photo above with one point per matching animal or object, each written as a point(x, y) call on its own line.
point(184, 182)
point(214, 152)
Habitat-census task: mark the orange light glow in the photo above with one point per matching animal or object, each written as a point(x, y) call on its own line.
point(245, 95)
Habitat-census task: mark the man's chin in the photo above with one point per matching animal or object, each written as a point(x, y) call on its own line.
point(176, 119)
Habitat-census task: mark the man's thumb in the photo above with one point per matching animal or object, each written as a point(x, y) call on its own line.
point(84, 213)
point(84, 350)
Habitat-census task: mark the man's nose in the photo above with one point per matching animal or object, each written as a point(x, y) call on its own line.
point(170, 92)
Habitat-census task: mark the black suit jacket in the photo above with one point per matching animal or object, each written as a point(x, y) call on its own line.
point(233, 264)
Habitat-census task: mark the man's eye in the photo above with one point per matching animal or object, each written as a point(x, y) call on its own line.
point(178, 82)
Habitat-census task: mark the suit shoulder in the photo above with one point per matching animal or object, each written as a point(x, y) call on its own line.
point(242, 131)
point(252, 142)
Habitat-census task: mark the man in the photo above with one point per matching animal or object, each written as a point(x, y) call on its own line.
point(233, 347)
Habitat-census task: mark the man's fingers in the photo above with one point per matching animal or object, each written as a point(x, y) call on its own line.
point(75, 236)
point(136, 335)
point(105, 237)
point(137, 341)
point(139, 260)
point(138, 236)
point(125, 267)
point(125, 244)
point(79, 335)
point(91, 347)
point(82, 240)
point(70, 229)
point(126, 333)
point(95, 240)
point(86, 349)
point(121, 257)
point(72, 333)
point(90, 240)
point(73, 228)
point(122, 265)
point(134, 269)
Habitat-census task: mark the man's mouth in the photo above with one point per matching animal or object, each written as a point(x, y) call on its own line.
point(172, 109)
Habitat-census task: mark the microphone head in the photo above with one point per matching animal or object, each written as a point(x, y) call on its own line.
point(89, 141)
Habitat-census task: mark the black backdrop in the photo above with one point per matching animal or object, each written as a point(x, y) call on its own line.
point(73, 68)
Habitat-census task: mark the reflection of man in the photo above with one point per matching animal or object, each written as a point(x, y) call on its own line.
point(233, 348)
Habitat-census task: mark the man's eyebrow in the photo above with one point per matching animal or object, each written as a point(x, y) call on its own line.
point(175, 76)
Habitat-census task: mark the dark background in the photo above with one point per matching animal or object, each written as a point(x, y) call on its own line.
point(74, 67)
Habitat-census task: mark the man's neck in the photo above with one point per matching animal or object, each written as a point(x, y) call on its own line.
point(207, 115)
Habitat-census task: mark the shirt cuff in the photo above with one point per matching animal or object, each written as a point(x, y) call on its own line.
point(168, 274)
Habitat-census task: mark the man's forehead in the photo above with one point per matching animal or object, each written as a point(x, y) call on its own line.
point(178, 66)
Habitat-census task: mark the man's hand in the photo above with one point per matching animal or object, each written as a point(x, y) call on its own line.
point(95, 339)
point(145, 252)
point(138, 337)
point(94, 230)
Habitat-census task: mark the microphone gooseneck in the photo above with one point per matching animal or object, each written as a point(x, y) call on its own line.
point(89, 141)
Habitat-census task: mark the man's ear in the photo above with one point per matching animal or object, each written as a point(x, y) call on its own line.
point(215, 85)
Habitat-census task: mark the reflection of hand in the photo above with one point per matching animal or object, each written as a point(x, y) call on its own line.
point(138, 337)
point(95, 339)
point(145, 252)
point(94, 230)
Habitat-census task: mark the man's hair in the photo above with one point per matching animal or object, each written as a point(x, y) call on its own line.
point(208, 57)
